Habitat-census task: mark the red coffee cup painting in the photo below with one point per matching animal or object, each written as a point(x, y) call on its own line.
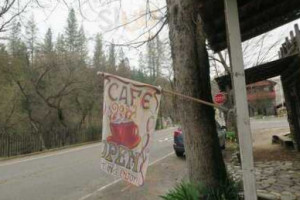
point(124, 133)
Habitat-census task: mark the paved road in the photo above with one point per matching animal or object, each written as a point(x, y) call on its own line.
point(264, 129)
point(269, 123)
point(71, 174)
point(74, 174)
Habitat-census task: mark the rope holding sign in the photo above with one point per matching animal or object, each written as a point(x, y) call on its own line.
point(194, 99)
point(168, 92)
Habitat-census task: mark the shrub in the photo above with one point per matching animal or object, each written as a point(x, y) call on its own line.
point(188, 191)
point(183, 191)
point(231, 136)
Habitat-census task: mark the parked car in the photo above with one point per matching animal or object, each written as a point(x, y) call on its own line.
point(179, 139)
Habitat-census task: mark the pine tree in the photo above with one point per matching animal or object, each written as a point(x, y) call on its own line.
point(31, 37)
point(16, 46)
point(159, 56)
point(123, 67)
point(3, 49)
point(121, 59)
point(47, 46)
point(99, 59)
point(121, 55)
point(155, 57)
point(60, 44)
point(112, 57)
point(151, 54)
point(15, 38)
point(141, 61)
point(4, 60)
point(81, 46)
point(71, 32)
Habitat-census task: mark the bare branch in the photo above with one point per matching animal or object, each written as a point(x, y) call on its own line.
point(138, 44)
point(224, 64)
point(135, 19)
point(6, 7)
point(11, 18)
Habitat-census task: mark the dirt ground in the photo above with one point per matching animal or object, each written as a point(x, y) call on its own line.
point(264, 150)
point(275, 153)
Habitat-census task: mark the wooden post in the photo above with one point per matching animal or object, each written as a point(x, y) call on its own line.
point(297, 36)
point(240, 96)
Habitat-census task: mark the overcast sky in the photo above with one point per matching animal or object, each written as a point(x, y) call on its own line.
point(101, 17)
point(98, 16)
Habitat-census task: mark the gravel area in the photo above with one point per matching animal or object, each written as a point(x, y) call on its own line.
point(274, 179)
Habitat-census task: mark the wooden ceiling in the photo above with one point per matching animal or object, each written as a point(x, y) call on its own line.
point(256, 17)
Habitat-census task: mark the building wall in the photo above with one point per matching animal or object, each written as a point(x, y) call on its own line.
point(265, 107)
point(279, 91)
point(262, 98)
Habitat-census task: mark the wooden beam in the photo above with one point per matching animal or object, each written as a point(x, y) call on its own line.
point(246, 12)
point(256, 24)
point(240, 96)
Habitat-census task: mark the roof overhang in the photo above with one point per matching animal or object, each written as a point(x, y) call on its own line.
point(256, 17)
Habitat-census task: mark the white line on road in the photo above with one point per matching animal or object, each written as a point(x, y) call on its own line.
point(160, 159)
point(100, 189)
point(6, 163)
point(165, 139)
point(126, 188)
point(118, 180)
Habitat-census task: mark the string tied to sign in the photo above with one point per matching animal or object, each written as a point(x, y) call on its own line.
point(173, 93)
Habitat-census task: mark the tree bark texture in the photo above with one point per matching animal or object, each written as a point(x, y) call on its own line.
point(191, 72)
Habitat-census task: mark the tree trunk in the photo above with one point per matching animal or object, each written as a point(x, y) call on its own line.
point(191, 72)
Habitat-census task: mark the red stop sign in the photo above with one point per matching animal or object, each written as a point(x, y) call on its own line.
point(220, 98)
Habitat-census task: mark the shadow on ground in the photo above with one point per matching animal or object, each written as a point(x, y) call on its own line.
point(159, 179)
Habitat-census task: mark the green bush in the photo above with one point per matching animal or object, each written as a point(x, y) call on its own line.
point(183, 191)
point(231, 136)
point(189, 191)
